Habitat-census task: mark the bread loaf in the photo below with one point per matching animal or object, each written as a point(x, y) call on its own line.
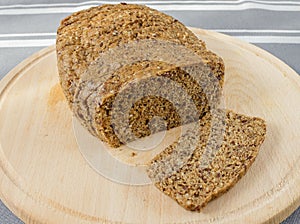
point(85, 38)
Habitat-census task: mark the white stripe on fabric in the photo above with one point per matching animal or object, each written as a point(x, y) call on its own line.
point(27, 34)
point(26, 43)
point(270, 39)
point(174, 7)
point(256, 31)
point(150, 2)
point(251, 39)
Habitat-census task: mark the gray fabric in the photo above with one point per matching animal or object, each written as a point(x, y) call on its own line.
point(273, 26)
point(248, 19)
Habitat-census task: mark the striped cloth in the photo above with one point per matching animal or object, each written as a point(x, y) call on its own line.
point(28, 26)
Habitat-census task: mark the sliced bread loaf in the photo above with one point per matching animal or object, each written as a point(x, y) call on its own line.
point(86, 36)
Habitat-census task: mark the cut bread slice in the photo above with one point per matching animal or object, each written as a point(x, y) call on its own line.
point(151, 90)
point(214, 166)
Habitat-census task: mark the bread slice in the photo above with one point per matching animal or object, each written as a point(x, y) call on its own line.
point(85, 36)
point(150, 90)
point(212, 168)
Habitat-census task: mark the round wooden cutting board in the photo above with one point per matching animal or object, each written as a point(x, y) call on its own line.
point(45, 179)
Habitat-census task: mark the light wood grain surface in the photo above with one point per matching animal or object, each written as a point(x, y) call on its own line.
point(45, 179)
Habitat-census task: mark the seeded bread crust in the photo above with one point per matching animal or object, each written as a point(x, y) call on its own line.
point(192, 186)
point(84, 35)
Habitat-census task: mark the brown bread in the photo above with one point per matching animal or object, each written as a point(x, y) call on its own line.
point(84, 36)
point(199, 180)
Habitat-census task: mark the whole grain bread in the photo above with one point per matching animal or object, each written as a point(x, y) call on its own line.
point(198, 181)
point(84, 36)
point(211, 160)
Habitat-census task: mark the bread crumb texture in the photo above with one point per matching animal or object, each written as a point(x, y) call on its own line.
point(193, 185)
